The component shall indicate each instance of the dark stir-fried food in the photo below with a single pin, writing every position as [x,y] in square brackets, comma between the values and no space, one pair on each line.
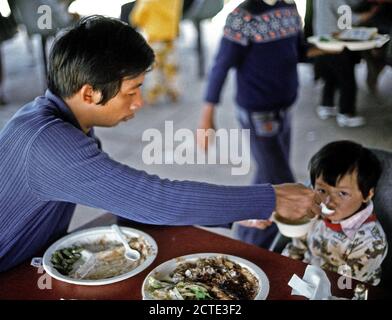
[206,278]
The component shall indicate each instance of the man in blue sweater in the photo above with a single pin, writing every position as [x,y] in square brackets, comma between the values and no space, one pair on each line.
[50,159]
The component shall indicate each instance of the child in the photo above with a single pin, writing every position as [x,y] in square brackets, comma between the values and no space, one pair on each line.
[350,240]
[159,20]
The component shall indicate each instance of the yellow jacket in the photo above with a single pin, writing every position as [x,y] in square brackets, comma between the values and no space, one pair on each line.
[159,19]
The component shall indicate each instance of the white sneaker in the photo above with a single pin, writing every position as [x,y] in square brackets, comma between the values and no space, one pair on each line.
[325,112]
[344,120]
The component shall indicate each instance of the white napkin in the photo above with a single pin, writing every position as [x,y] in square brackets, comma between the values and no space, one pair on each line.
[314,285]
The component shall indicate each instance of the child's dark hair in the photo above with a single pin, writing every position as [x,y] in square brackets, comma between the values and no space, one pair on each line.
[98,51]
[339,158]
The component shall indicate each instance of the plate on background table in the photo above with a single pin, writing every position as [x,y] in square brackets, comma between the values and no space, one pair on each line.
[329,43]
[95,256]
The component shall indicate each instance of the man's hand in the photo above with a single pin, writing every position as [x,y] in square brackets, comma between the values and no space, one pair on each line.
[204,134]
[294,201]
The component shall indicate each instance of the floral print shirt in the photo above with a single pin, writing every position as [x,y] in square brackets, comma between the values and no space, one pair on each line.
[332,247]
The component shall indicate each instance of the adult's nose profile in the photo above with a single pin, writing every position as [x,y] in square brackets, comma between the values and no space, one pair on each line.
[138,103]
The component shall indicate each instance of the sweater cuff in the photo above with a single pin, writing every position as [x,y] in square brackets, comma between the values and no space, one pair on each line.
[267,201]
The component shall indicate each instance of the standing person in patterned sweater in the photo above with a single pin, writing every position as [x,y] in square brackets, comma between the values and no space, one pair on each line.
[263,42]
[350,240]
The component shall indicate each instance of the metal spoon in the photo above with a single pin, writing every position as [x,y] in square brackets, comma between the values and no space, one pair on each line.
[130,254]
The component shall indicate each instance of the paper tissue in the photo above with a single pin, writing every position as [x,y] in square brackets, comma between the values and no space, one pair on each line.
[314,285]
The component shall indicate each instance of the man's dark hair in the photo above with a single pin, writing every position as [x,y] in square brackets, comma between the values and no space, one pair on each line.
[98,51]
[339,158]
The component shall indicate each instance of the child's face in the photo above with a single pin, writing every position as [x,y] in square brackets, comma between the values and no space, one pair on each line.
[345,198]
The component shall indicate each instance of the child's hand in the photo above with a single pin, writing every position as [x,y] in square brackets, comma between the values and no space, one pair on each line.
[258,224]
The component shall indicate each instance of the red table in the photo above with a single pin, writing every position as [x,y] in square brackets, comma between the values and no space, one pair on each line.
[23,281]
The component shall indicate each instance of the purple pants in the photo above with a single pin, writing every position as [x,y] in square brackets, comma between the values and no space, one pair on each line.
[270,134]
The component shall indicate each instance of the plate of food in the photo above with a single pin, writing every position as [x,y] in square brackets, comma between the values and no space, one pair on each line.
[355,39]
[96,256]
[206,276]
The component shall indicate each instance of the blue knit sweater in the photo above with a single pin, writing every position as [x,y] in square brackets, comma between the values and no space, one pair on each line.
[263,44]
[47,165]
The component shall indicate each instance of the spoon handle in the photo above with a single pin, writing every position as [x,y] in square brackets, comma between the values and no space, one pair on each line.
[130,253]
[120,235]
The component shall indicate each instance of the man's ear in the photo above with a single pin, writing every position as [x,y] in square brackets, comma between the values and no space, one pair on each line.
[370,195]
[88,95]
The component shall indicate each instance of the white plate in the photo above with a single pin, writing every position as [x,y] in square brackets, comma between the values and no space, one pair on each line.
[167,267]
[91,235]
[338,46]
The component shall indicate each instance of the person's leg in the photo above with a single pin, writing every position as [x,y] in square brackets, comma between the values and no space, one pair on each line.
[285,135]
[344,68]
[328,92]
[345,74]
[170,71]
[375,61]
[156,80]
[327,107]
[270,138]
[269,144]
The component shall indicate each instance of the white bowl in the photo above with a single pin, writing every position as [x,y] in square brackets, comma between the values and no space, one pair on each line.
[293,230]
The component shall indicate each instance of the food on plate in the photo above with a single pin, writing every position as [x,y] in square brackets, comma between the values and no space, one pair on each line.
[357,34]
[100,259]
[213,278]
[64,259]
[325,39]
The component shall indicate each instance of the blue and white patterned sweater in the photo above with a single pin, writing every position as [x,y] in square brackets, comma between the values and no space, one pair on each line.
[264,48]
